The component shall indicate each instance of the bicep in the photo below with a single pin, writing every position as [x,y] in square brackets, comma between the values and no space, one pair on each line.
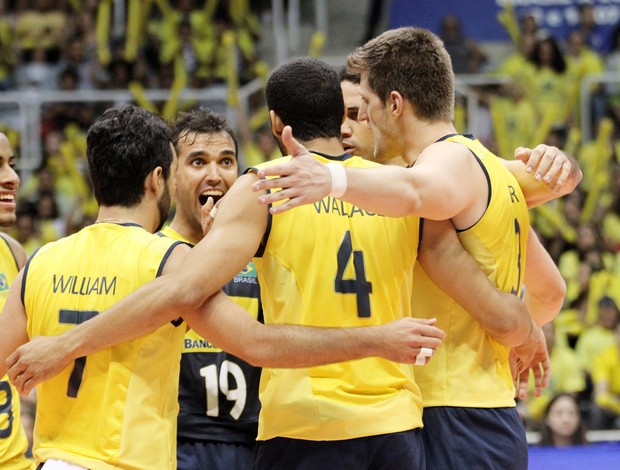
[460,276]
[449,181]
[442,255]
[231,243]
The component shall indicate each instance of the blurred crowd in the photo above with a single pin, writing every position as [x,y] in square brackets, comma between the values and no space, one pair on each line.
[75,45]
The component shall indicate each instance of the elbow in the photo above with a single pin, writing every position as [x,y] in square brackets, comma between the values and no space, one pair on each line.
[513,333]
[188,296]
[516,324]
[547,303]
[251,348]
[555,303]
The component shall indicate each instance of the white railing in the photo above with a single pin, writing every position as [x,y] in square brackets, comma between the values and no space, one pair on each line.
[30,104]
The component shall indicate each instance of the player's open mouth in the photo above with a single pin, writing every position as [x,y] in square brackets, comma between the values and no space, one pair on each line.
[7,198]
[216,195]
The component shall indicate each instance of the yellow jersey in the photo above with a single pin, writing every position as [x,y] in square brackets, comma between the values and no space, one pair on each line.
[471,369]
[117,407]
[13,442]
[332,264]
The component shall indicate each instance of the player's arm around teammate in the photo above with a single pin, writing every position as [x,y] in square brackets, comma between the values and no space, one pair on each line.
[193,291]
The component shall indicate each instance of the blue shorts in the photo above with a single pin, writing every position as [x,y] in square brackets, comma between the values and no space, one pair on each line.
[199,455]
[401,450]
[474,438]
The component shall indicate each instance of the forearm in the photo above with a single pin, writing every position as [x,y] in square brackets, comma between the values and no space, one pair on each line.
[396,199]
[13,332]
[140,313]
[291,346]
[234,330]
[502,315]
[231,328]
[545,289]
[544,306]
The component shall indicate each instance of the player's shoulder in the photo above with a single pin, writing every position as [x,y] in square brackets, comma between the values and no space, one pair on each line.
[268,163]
[16,249]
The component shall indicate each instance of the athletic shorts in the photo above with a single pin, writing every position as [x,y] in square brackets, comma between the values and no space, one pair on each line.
[474,438]
[401,450]
[199,455]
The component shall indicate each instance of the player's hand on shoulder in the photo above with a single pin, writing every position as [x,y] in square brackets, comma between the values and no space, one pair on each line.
[302,180]
[549,164]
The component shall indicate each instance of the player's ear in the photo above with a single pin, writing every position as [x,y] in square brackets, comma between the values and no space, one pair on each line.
[396,103]
[276,124]
[155,180]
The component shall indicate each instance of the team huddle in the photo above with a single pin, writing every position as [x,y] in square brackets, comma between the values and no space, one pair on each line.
[352,304]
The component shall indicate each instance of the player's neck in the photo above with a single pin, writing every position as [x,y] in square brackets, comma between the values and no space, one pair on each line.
[124,215]
[186,229]
[332,146]
[419,135]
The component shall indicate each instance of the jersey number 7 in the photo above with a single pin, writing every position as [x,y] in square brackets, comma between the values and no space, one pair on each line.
[75,317]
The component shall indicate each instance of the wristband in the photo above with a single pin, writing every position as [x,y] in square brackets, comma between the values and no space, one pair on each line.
[339,179]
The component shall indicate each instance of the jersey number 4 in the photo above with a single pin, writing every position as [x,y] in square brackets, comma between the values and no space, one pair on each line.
[359,285]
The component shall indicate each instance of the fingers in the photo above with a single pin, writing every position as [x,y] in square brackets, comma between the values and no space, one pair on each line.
[208,207]
[22,381]
[523,154]
[14,367]
[26,388]
[282,170]
[424,356]
[276,196]
[549,163]
[522,387]
[290,204]
[430,333]
[293,147]
[546,374]
[564,173]
[207,215]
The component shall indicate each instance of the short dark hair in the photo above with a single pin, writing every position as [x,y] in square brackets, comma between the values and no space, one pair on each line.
[345,75]
[200,120]
[305,93]
[123,146]
[413,62]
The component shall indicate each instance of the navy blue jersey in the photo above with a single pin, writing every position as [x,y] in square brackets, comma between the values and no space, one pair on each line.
[218,392]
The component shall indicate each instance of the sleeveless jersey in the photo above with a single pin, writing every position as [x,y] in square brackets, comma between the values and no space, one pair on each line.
[332,264]
[13,441]
[471,369]
[218,392]
[117,407]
